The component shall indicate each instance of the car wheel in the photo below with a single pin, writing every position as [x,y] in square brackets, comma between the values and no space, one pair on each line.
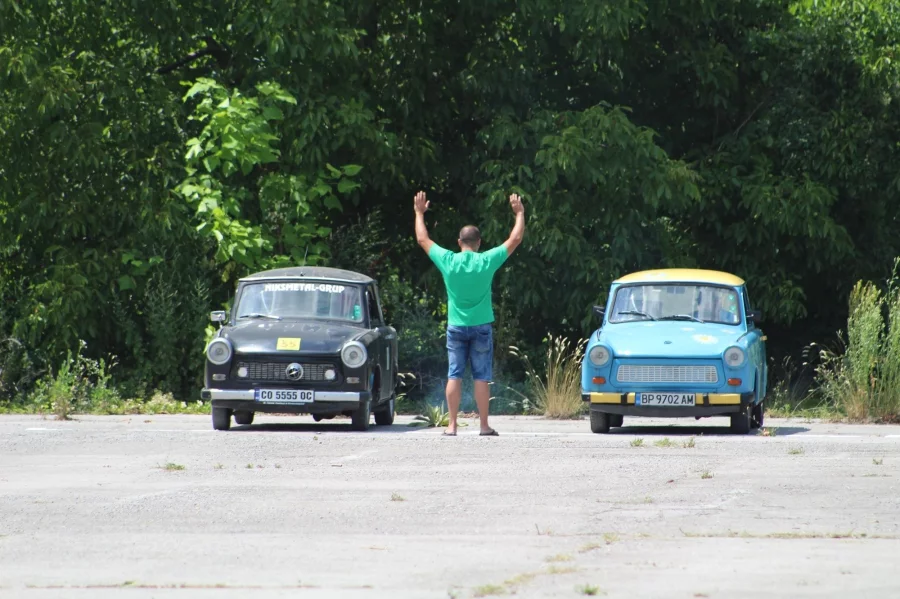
[740,422]
[359,420]
[599,422]
[221,419]
[244,418]
[758,415]
[385,416]
[616,419]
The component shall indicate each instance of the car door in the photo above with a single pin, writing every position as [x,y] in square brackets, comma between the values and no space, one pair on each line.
[756,345]
[384,346]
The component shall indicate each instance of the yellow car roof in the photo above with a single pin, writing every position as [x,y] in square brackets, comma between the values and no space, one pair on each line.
[682,275]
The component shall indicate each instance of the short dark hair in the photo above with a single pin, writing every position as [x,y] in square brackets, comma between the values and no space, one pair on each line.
[470,235]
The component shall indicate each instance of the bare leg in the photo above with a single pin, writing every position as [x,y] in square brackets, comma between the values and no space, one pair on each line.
[483,400]
[454,395]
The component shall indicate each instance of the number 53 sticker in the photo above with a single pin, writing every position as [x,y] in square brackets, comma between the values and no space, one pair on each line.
[288,343]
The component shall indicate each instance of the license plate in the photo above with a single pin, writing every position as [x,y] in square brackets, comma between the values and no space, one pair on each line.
[283,396]
[664,399]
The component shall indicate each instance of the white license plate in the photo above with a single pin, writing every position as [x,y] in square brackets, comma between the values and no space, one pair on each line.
[283,396]
[664,399]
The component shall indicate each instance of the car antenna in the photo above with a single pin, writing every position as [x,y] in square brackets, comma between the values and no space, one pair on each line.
[305,253]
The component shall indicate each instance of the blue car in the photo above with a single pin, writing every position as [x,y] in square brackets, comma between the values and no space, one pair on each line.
[676,343]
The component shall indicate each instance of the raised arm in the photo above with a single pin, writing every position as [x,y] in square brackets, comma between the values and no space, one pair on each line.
[421,205]
[518,230]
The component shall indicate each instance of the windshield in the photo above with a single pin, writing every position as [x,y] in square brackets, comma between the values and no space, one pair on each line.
[696,303]
[301,300]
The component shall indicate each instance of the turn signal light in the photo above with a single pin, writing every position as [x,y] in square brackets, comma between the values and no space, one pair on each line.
[734,382]
[599,380]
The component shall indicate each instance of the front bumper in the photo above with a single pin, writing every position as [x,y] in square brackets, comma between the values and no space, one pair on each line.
[326,402]
[705,404]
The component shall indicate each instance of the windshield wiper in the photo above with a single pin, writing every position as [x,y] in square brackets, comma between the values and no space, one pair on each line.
[636,313]
[260,315]
[682,317]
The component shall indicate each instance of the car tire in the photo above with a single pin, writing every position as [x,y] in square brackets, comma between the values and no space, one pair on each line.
[244,418]
[385,416]
[359,420]
[740,422]
[599,422]
[221,418]
[758,415]
[616,420]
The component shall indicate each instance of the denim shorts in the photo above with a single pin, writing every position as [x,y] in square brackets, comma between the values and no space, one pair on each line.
[473,345]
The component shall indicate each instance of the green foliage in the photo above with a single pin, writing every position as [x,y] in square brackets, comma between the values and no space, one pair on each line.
[864,379]
[431,417]
[754,137]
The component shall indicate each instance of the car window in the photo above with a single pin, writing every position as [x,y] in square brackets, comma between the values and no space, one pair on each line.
[707,303]
[374,309]
[301,300]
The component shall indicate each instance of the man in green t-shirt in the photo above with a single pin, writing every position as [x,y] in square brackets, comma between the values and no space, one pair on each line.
[468,276]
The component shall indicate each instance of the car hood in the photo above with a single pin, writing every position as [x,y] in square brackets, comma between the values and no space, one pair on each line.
[669,339]
[315,337]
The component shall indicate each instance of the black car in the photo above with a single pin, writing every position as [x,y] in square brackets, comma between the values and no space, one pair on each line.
[303,340]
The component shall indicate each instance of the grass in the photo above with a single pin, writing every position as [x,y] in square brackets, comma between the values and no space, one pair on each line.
[795,451]
[588,590]
[557,570]
[249,466]
[587,548]
[877,462]
[173,467]
[219,466]
[397,497]
[689,444]
[637,442]
[768,432]
[793,535]
[562,557]
[611,537]
[557,391]
[488,590]
[706,475]
[667,442]
[432,417]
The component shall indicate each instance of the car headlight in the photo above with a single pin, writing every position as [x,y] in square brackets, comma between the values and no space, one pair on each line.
[354,354]
[735,356]
[599,355]
[219,351]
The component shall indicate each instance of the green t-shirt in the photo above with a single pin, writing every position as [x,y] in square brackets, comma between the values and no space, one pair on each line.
[468,277]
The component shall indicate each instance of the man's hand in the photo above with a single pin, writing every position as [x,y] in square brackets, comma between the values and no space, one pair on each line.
[515,202]
[518,231]
[421,204]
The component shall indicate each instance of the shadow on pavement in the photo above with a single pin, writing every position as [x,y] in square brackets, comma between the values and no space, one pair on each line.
[340,426]
[704,431]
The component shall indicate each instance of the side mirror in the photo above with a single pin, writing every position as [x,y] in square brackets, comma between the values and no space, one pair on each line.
[754,316]
[217,316]
[599,311]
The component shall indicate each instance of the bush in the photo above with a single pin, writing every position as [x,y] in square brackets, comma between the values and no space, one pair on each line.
[557,391]
[864,379]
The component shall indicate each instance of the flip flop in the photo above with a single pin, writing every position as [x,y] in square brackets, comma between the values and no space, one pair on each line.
[491,433]
[446,434]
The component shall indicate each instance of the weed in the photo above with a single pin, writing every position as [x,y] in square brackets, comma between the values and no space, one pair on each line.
[877,462]
[278,466]
[556,570]
[397,497]
[610,538]
[588,590]
[589,547]
[219,466]
[432,417]
[249,466]
[689,444]
[520,579]
[664,443]
[559,558]
[637,442]
[558,392]
[768,432]
[706,475]
[648,500]
[171,466]
[795,451]
[487,590]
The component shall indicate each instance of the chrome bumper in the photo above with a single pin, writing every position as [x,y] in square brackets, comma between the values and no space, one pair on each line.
[248,395]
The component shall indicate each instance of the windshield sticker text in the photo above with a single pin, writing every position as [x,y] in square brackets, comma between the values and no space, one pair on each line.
[304,287]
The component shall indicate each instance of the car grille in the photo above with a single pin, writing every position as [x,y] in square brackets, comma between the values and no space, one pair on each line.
[276,371]
[652,373]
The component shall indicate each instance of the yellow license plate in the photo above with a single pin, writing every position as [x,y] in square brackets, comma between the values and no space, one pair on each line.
[288,343]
